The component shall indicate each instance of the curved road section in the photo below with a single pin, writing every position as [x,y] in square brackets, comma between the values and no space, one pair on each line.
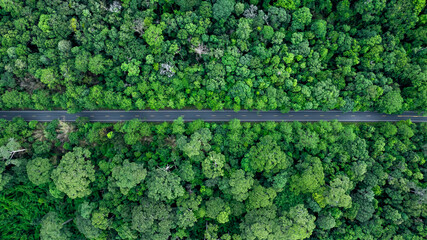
[210,116]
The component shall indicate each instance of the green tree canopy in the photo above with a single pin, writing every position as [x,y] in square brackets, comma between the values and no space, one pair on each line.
[213,165]
[310,177]
[52,228]
[222,9]
[266,156]
[39,170]
[164,185]
[128,175]
[74,173]
[153,219]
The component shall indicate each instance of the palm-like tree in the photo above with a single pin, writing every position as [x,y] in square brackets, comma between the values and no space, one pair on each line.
[64,130]
[40,133]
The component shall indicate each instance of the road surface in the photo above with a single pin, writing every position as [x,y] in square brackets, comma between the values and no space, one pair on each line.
[210,116]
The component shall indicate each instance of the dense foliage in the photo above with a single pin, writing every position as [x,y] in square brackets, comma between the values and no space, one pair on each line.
[228,181]
[215,54]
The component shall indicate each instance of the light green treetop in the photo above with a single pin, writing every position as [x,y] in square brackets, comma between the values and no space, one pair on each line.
[39,170]
[164,185]
[74,173]
[128,175]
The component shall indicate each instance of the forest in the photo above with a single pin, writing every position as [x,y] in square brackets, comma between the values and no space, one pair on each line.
[350,55]
[199,180]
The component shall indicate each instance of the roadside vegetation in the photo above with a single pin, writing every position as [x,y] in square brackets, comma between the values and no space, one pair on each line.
[198,180]
[221,54]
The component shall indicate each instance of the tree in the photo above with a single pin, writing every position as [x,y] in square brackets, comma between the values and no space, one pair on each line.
[391,102]
[295,224]
[99,218]
[218,209]
[301,18]
[369,11]
[319,28]
[279,181]
[128,175]
[198,141]
[344,11]
[188,205]
[153,219]
[326,222]
[307,139]
[239,8]
[132,68]
[135,130]
[393,215]
[211,232]
[260,197]
[326,94]
[44,23]
[222,9]
[47,76]
[10,149]
[187,5]
[310,177]
[259,224]
[267,32]
[82,61]
[39,170]
[97,64]
[164,185]
[178,126]
[364,205]
[337,194]
[86,228]
[287,4]
[153,36]
[64,46]
[266,156]
[74,173]
[53,228]
[213,165]
[237,185]
[244,28]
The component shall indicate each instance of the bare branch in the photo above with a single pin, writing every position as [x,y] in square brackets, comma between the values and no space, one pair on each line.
[201,50]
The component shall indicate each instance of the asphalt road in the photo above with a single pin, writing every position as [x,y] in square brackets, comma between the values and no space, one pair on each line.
[210,116]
